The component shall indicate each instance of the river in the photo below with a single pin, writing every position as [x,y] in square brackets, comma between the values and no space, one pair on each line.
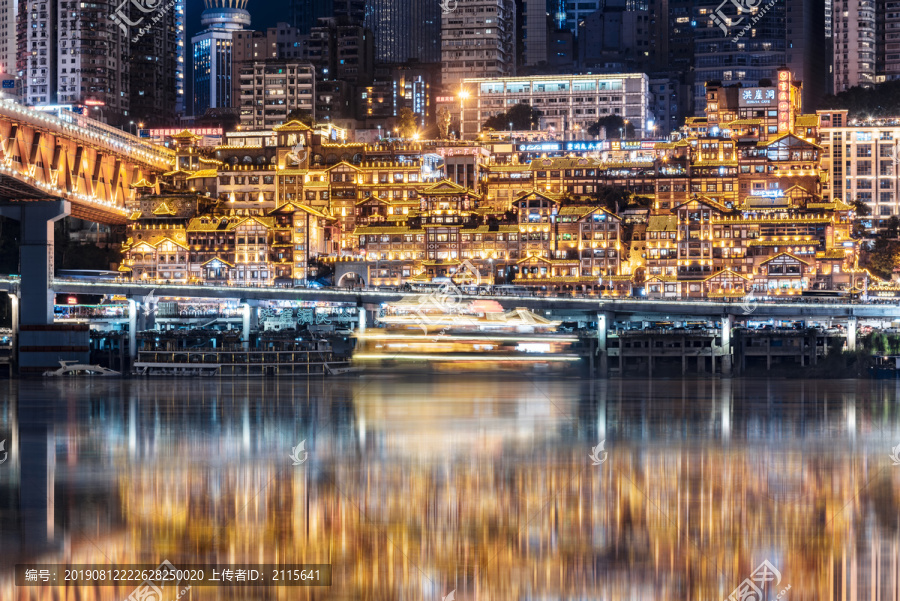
[492,488]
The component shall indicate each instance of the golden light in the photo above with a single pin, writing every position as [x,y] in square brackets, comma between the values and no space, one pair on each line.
[464,94]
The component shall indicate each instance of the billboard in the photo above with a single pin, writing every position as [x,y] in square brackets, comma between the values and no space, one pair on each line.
[758,97]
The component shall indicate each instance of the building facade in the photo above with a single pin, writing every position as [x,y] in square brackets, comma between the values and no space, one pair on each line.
[478,40]
[854,25]
[861,161]
[271,89]
[564,101]
[740,202]
[157,70]
[405,30]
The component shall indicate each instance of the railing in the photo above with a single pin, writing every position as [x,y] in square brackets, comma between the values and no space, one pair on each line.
[86,126]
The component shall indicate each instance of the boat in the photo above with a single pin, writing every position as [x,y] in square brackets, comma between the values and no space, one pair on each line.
[73,368]
[312,358]
[480,335]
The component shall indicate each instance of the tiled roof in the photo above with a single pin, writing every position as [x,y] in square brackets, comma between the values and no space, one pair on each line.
[662,223]
[204,173]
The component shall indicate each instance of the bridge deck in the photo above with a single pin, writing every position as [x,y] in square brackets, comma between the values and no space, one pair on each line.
[671,310]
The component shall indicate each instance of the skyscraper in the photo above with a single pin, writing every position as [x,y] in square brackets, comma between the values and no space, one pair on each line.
[888,40]
[157,70]
[213,53]
[74,53]
[697,41]
[854,43]
[478,41]
[405,30]
[9,9]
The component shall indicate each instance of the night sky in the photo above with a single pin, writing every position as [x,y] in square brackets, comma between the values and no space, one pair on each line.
[265,14]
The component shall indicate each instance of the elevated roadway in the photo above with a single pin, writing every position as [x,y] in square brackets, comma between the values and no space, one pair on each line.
[653,309]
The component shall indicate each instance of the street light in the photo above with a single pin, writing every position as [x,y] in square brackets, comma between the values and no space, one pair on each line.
[463,94]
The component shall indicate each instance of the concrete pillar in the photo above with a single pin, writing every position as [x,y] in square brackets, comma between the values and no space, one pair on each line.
[14,321]
[36,256]
[604,322]
[852,324]
[250,321]
[726,324]
[132,329]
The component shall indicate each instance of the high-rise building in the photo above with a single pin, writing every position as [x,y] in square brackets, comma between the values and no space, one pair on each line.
[280,42]
[696,41]
[213,53]
[405,30]
[478,41]
[888,40]
[614,39]
[854,38]
[305,14]
[93,66]
[395,87]
[9,10]
[342,52]
[536,28]
[157,70]
[271,89]
[37,52]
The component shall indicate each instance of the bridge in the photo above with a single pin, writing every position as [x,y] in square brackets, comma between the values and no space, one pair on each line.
[52,167]
[142,298]
[604,312]
[629,307]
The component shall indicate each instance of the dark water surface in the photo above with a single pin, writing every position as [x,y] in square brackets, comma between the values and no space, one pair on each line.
[413,488]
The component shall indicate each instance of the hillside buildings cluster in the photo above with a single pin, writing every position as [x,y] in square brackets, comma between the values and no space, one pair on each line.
[748,198]
[361,62]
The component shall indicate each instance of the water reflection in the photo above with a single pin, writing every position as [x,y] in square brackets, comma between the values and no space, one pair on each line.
[415,488]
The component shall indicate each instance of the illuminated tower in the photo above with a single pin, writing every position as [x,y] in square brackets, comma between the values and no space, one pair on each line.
[213,52]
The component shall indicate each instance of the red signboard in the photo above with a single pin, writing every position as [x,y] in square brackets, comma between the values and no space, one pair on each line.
[785,102]
[197,131]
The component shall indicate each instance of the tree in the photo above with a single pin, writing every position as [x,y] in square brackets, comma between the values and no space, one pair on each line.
[613,124]
[522,116]
[301,115]
[882,100]
[892,228]
[861,208]
[884,257]
[612,198]
[407,123]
